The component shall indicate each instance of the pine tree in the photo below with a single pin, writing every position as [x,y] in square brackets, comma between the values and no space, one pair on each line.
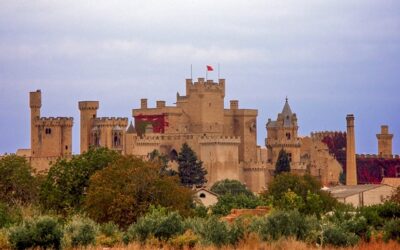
[190,169]
[283,162]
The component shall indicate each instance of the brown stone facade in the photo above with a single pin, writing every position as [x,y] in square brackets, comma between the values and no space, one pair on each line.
[225,139]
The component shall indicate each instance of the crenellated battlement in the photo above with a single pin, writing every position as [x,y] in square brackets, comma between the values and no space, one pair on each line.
[322,134]
[88,105]
[219,140]
[111,121]
[203,85]
[372,156]
[54,121]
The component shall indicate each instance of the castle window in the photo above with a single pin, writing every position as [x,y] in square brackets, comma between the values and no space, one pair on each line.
[288,136]
[202,195]
[94,116]
[66,147]
[290,157]
[48,131]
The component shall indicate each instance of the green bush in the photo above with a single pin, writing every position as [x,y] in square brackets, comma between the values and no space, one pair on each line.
[110,235]
[215,232]
[285,224]
[391,230]
[227,202]
[80,232]
[5,216]
[359,226]
[337,236]
[158,223]
[43,232]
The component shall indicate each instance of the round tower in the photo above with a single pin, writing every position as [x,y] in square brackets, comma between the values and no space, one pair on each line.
[88,114]
[351,168]
[35,103]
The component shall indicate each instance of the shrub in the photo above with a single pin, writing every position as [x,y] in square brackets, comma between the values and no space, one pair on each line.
[188,239]
[44,232]
[391,230]
[286,224]
[359,226]
[158,223]
[337,236]
[227,202]
[233,187]
[215,232]
[4,243]
[110,235]
[80,232]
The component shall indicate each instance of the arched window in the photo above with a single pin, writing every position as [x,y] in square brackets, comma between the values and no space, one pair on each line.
[202,195]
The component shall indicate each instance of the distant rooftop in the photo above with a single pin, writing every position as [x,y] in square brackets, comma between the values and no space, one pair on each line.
[346,191]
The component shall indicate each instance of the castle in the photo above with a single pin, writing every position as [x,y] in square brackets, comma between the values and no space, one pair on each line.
[225,139]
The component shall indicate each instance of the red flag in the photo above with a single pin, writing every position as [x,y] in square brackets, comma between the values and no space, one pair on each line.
[209,68]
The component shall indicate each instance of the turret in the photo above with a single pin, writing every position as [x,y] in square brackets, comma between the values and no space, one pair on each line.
[35,103]
[384,142]
[88,114]
[351,167]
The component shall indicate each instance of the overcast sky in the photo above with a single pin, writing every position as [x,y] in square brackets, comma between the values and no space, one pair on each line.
[329,57]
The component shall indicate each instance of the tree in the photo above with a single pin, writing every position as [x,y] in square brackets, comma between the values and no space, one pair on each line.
[283,162]
[17,180]
[233,187]
[124,191]
[396,195]
[307,187]
[64,188]
[227,202]
[191,171]
[162,160]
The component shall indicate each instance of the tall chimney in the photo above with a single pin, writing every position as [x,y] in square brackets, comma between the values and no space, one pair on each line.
[351,168]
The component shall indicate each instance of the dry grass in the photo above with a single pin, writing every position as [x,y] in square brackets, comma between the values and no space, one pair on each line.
[255,244]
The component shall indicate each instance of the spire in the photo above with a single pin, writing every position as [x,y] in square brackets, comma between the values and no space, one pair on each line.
[287,111]
[131,129]
[287,114]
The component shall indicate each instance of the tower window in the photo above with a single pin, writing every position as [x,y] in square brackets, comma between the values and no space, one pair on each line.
[66,147]
[290,157]
[48,131]
[288,136]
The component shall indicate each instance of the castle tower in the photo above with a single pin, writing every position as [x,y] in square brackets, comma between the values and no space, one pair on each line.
[35,103]
[384,142]
[282,134]
[351,168]
[88,114]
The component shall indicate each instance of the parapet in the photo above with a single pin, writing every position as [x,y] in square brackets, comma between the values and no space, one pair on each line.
[85,105]
[234,104]
[35,99]
[111,121]
[322,134]
[205,86]
[375,156]
[54,121]
[219,140]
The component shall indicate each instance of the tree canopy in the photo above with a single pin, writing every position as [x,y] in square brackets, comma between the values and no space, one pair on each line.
[17,182]
[284,189]
[191,171]
[124,191]
[65,185]
[233,187]
[283,162]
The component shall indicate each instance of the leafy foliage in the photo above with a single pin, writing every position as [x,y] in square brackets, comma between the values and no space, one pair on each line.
[125,190]
[158,223]
[162,160]
[80,232]
[43,232]
[233,187]
[227,202]
[313,199]
[392,230]
[67,180]
[191,170]
[17,182]
[283,162]
[285,224]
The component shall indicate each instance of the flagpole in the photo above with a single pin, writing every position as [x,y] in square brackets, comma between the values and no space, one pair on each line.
[218,72]
[191,71]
